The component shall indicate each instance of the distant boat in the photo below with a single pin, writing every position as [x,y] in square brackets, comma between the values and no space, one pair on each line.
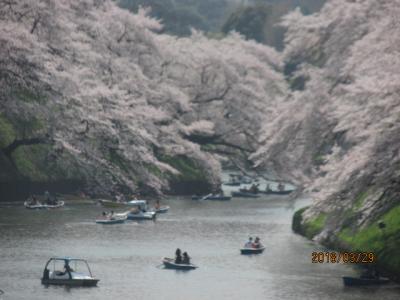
[281,190]
[39,205]
[112,220]
[245,194]
[362,281]
[233,183]
[116,204]
[252,250]
[215,197]
[273,192]
[169,263]
[68,276]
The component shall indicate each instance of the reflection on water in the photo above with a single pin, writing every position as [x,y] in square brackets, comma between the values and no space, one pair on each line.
[127,257]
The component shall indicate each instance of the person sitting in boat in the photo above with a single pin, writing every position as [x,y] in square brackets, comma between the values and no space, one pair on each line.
[32,200]
[157,205]
[46,196]
[257,243]
[186,258]
[267,188]
[178,256]
[67,270]
[281,187]
[134,210]
[254,189]
[249,243]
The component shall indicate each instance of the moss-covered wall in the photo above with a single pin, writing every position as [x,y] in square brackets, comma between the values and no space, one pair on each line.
[192,178]
[309,228]
[384,242]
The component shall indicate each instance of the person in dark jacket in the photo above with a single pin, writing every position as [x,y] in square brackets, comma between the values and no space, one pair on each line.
[178,256]
[186,258]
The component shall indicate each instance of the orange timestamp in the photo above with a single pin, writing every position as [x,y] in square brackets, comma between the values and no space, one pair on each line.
[343,257]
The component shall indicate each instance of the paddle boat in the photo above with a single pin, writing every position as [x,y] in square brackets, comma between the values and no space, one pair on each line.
[107,219]
[247,251]
[169,263]
[39,205]
[139,211]
[215,197]
[363,281]
[141,215]
[68,271]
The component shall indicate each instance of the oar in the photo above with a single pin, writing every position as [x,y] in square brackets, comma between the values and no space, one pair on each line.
[205,197]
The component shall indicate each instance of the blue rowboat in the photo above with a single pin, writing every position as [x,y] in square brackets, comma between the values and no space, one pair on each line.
[247,251]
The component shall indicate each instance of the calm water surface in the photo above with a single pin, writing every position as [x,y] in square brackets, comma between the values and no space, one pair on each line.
[126,257]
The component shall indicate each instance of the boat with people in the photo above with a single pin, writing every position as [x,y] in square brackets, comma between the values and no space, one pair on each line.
[247,194]
[160,209]
[111,218]
[251,247]
[40,205]
[68,271]
[169,263]
[252,250]
[141,215]
[139,211]
[273,192]
[215,197]
[280,191]
[181,261]
[48,203]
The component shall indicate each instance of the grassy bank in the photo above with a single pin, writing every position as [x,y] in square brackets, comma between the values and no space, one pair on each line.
[383,240]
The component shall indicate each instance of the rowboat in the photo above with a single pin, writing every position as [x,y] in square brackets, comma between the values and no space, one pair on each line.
[236,183]
[252,250]
[112,220]
[362,281]
[75,272]
[116,204]
[162,209]
[272,192]
[169,263]
[212,197]
[141,215]
[245,195]
[39,205]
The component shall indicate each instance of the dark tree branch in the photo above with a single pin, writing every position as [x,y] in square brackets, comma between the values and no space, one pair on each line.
[24,142]
[35,23]
[122,35]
